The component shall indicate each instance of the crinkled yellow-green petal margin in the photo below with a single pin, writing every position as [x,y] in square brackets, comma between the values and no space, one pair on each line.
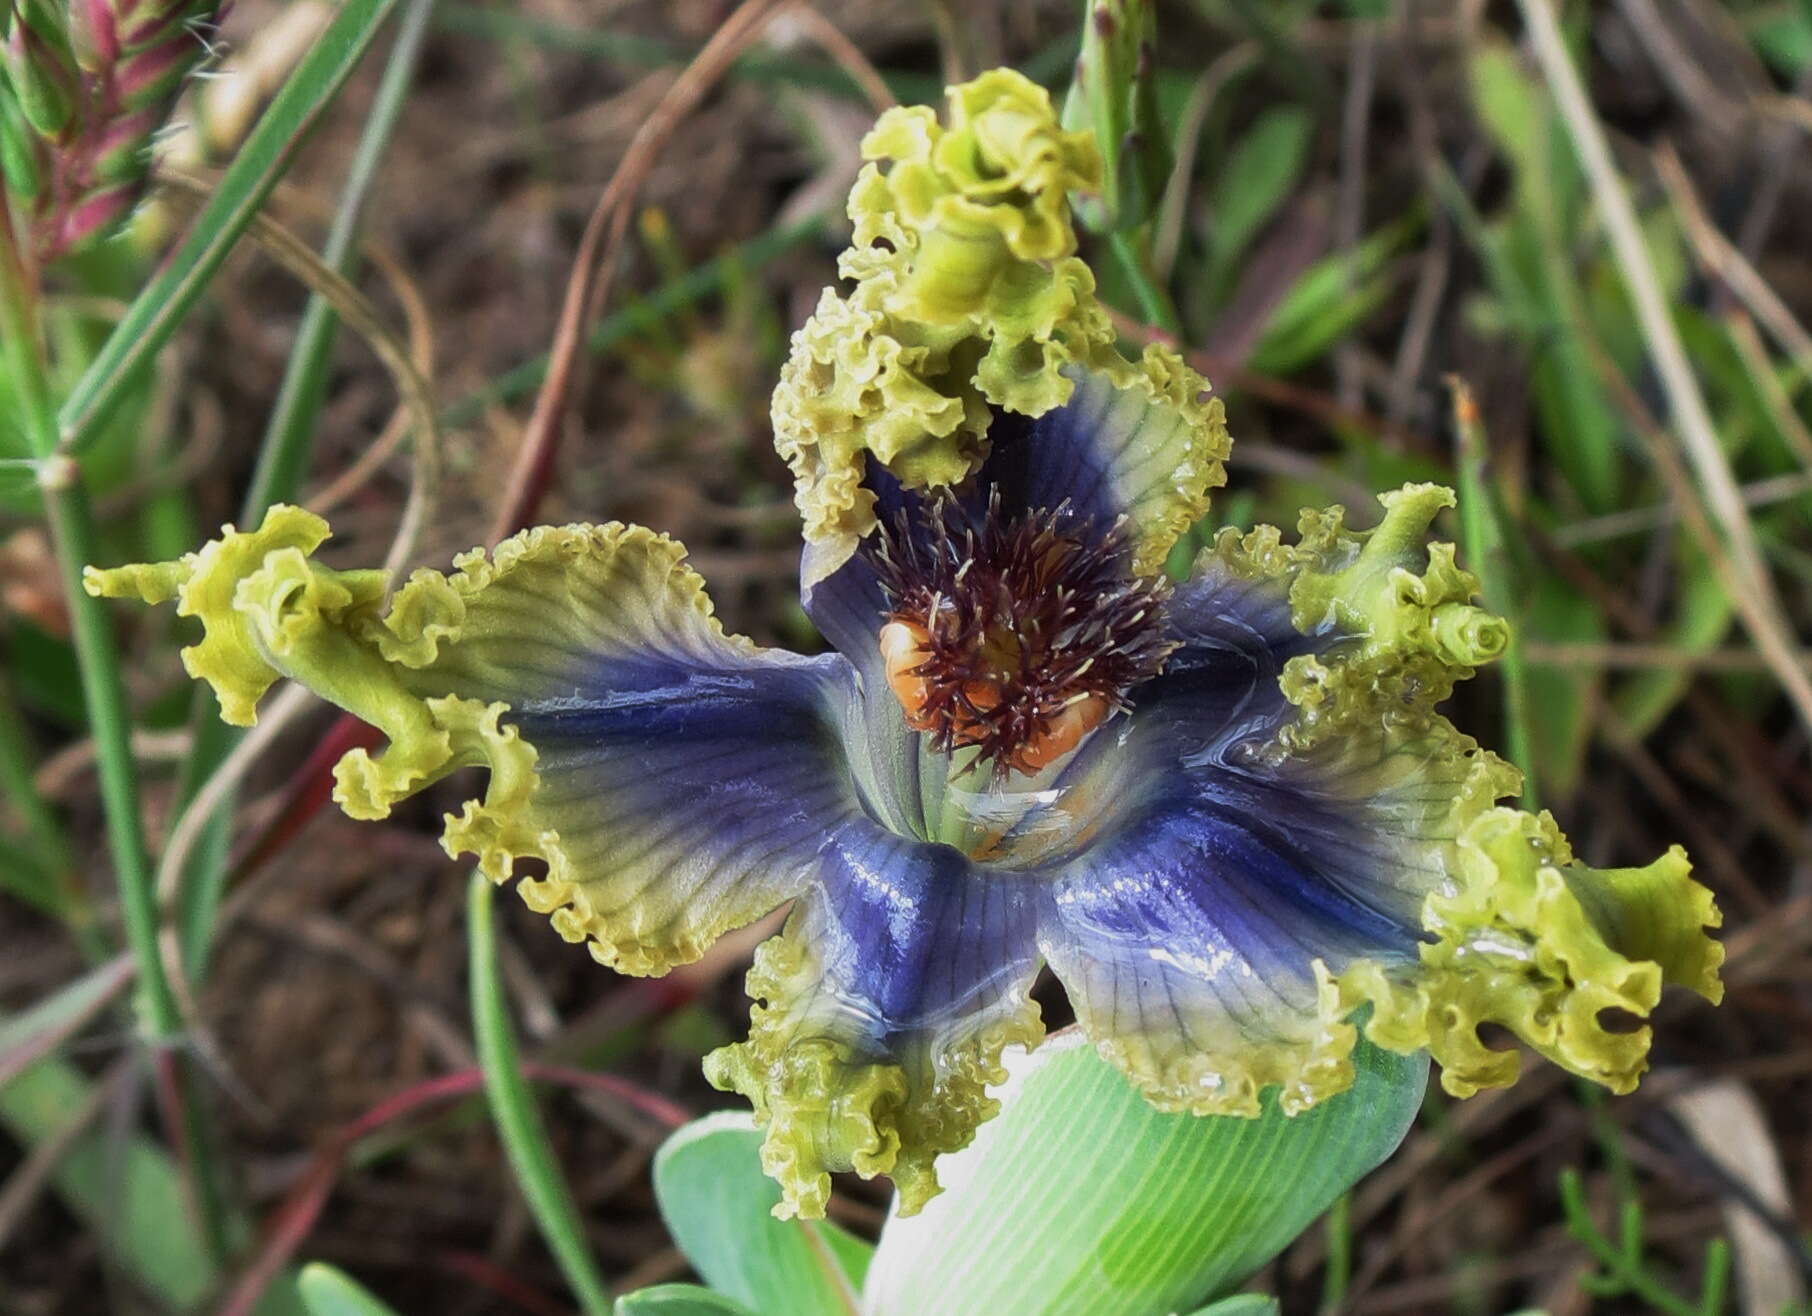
[432,671]
[1518,934]
[827,1106]
[968,294]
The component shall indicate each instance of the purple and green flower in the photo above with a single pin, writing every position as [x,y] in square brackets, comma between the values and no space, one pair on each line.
[1224,811]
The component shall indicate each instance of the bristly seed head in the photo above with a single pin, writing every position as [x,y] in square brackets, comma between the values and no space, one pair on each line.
[1014,637]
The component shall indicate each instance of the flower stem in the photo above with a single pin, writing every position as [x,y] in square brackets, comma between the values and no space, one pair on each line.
[1154,302]
[73,533]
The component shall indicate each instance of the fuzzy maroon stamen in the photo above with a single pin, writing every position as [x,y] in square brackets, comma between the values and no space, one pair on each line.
[1014,636]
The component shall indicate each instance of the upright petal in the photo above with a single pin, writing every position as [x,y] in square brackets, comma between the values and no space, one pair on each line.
[886,1006]
[675,781]
[1142,440]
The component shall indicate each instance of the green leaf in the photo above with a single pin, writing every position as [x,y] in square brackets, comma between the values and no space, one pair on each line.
[718,1205]
[1563,700]
[1080,1197]
[166,301]
[1703,613]
[1783,37]
[513,1109]
[1333,297]
[329,1291]
[678,1300]
[127,1193]
[30,1035]
[1250,184]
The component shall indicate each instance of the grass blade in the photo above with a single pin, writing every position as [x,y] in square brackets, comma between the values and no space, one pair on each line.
[1488,554]
[127,1196]
[282,459]
[1756,597]
[289,436]
[513,1111]
[29,1037]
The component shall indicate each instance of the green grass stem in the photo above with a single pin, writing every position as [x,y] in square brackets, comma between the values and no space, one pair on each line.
[514,1113]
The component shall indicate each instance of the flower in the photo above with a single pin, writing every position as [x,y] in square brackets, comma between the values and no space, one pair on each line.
[1225,812]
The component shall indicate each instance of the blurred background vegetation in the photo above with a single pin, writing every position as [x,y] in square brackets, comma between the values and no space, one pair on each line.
[1371,200]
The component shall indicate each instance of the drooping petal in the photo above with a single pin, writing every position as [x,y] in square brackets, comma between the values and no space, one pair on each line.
[1540,944]
[1187,945]
[1307,836]
[885,1007]
[674,780]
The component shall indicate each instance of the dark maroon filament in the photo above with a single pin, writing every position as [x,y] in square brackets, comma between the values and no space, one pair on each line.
[1020,618]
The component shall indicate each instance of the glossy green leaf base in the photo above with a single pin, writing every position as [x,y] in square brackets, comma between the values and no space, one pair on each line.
[1079,1197]
[718,1204]
[329,1291]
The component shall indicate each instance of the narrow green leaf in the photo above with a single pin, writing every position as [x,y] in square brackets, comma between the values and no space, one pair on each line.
[1080,1197]
[289,434]
[329,1291]
[1565,699]
[128,1195]
[34,1033]
[166,301]
[1256,177]
[513,1110]
[678,1300]
[1487,543]
[1330,299]
[718,1206]
[1703,614]
[1782,37]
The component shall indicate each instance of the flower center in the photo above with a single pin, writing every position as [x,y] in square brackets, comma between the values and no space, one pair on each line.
[1016,637]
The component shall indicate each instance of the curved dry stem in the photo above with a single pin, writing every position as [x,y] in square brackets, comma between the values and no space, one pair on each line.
[1752,589]
[399,359]
[219,786]
[357,312]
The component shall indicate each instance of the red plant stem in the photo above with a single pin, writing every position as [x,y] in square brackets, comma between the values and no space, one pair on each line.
[290,1224]
[495,1279]
[309,789]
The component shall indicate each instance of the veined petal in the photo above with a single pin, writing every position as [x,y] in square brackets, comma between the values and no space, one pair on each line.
[1142,440]
[1187,945]
[1314,838]
[886,1005]
[674,780]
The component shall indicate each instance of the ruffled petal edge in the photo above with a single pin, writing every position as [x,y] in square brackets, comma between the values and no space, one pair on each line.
[269,611]
[826,1107]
